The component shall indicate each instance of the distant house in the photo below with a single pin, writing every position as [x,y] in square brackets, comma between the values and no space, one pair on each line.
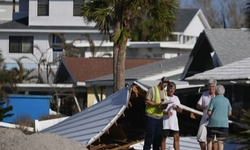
[222,54]
[234,76]
[33,22]
[215,48]
[7,9]
[77,71]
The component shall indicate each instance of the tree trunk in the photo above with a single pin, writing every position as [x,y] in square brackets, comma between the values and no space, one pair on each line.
[121,66]
[115,58]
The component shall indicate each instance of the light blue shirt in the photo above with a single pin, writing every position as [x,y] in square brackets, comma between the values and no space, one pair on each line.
[220,106]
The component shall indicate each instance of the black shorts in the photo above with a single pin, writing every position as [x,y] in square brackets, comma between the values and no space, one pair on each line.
[220,132]
[168,132]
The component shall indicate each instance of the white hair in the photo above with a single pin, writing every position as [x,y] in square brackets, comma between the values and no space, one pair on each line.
[212,81]
[220,90]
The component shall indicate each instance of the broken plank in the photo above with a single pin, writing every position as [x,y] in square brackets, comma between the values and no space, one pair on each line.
[97,147]
[127,145]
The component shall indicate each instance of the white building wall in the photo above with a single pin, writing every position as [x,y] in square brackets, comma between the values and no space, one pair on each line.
[42,40]
[6,10]
[154,52]
[194,28]
[60,14]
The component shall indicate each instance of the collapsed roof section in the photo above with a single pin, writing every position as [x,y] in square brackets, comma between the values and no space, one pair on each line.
[116,122]
[89,125]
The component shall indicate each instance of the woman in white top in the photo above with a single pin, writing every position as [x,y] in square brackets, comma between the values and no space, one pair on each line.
[170,120]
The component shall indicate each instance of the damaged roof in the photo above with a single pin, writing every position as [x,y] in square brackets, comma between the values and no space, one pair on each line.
[87,126]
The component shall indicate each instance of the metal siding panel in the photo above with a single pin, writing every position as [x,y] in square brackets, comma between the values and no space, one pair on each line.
[92,122]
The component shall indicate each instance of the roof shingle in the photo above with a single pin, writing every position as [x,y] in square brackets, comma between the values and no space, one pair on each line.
[229,44]
[83,69]
[237,70]
[151,69]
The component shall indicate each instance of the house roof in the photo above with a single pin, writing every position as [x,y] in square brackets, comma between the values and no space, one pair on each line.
[152,69]
[23,24]
[87,126]
[217,47]
[230,45]
[146,84]
[82,69]
[184,17]
[239,70]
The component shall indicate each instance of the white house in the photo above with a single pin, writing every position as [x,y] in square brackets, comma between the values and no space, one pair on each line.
[7,8]
[33,21]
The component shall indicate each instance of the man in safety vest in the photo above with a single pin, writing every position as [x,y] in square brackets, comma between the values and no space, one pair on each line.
[154,115]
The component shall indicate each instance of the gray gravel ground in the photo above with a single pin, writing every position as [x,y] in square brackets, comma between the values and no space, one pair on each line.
[13,139]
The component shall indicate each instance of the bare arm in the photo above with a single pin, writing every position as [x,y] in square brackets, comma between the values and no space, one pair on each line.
[200,107]
[179,109]
[209,112]
[229,113]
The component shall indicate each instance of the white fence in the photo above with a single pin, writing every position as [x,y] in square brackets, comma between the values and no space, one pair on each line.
[41,125]
[9,125]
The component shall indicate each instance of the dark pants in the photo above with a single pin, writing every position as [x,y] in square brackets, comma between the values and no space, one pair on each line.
[154,129]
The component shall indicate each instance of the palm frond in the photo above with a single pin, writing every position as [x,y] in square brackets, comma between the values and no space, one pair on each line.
[120,36]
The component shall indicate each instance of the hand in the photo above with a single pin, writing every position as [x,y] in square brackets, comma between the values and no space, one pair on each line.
[204,107]
[168,113]
[174,106]
[164,106]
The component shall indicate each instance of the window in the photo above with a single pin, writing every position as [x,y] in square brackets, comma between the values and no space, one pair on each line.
[57,43]
[21,44]
[43,7]
[77,7]
[57,47]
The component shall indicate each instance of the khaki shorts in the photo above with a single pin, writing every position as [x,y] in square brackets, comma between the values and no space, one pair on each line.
[202,134]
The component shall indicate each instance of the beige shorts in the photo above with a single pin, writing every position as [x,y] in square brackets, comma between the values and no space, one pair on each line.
[202,134]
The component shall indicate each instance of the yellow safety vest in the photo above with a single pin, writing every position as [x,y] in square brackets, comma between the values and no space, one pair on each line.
[155,110]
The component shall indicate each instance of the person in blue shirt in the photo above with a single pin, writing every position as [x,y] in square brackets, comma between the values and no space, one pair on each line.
[219,110]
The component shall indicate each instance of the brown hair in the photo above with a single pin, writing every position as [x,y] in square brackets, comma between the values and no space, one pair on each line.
[171,85]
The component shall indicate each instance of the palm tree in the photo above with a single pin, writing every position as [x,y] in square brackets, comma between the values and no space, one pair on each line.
[22,74]
[93,48]
[121,16]
[7,77]
[69,49]
[41,61]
